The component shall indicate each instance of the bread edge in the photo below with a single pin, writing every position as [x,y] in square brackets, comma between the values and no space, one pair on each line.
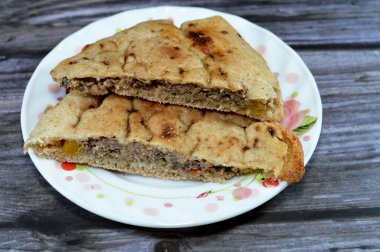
[294,168]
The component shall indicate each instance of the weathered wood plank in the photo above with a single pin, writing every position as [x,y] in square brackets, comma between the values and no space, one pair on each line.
[294,236]
[32,12]
[38,27]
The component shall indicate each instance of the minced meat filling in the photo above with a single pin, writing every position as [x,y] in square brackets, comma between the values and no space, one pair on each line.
[183,93]
[137,152]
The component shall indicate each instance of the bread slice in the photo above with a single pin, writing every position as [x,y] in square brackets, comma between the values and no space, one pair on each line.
[204,64]
[166,141]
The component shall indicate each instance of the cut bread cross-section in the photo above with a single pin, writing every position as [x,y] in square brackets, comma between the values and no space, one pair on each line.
[203,64]
[166,141]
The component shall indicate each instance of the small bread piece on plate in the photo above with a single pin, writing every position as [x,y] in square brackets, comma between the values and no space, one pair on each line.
[166,141]
[204,64]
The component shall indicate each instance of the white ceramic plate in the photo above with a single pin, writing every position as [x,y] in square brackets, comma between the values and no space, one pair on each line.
[152,202]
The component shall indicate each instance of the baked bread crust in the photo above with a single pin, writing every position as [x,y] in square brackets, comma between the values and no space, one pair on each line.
[220,139]
[207,54]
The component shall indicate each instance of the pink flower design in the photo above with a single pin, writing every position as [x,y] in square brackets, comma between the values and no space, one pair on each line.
[241,193]
[211,207]
[92,187]
[237,184]
[203,195]
[261,49]
[78,49]
[220,197]
[293,117]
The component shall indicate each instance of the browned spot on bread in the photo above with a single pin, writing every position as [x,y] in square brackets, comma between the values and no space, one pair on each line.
[170,52]
[257,128]
[105,62]
[255,142]
[153,30]
[238,35]
[271,131]
[85,58]
[232,140]
[245,148]
[101,45]
[210,55]
[176,48]
[229,51]
[131,57]
[199,38]
[191,25]
[221,71]
[168,130]
[218,54]
[165,72]
[72,62]
[85,48]
[224,32]
[181,70]
[125,61]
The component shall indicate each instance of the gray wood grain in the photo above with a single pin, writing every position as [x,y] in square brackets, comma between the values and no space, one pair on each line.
[300,23]
[294,236]
[335,207]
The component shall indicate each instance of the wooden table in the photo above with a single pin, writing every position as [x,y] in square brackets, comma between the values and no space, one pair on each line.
[337,204]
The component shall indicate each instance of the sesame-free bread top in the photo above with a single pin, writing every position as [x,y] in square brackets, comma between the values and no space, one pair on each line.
[216,138]
[208,54]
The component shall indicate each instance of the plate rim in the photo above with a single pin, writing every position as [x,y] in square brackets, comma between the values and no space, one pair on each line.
[83,204]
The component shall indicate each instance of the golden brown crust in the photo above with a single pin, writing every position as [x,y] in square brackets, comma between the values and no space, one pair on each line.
[294,169]
[207,52]
[230,60]
[152,50]
[218,138]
